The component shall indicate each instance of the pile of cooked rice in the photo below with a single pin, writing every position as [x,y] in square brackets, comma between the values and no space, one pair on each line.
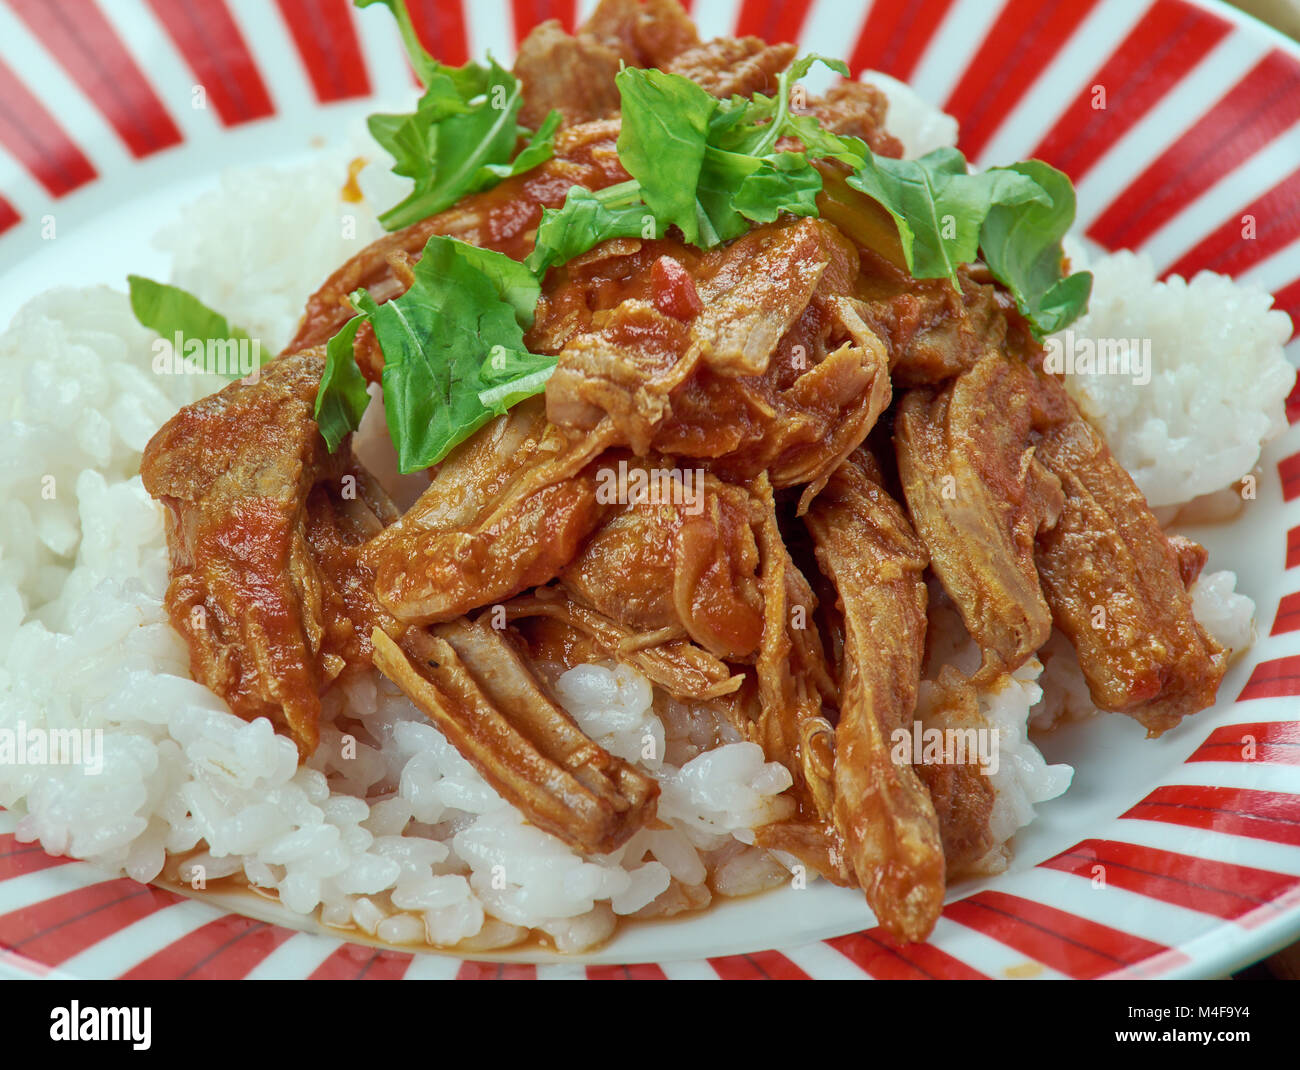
[387,829]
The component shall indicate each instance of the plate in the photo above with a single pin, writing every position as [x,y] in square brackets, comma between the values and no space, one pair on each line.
[1174,858]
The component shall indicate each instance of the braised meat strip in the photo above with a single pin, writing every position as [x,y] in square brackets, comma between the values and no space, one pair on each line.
[675,664]
[979,496]
[961,791]
[882,811]
[1117,587]
[506,510]
[682,561]
[262,529]
[472,683]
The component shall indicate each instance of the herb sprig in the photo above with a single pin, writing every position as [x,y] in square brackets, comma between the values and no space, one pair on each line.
[708,167]
[462,136]
[454,353]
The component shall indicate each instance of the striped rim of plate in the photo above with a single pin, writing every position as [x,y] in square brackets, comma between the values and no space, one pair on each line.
[1201,128]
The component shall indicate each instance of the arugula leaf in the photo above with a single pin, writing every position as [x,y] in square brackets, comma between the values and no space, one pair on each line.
[764,120]
[710,167]
[939,207]
[461,138]
[461,146]
[800,67]
[540,148]
[454,353]
[721,179]
[411,139]
[586,219]
[170,311]
[662,141]
[1023,250]
[785,182]
[510,375]
[457,332]
[821,143]
[513,283]
[736,190]
[341,399]
[707,166]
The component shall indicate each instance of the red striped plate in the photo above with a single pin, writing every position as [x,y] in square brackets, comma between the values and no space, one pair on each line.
[1174,858]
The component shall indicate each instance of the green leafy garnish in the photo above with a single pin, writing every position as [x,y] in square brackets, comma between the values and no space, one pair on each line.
[712,168]
[456,334]
[462,136]
[782,183]
[204,338]
[460,139]
[1022,247]
[540,148]
[662,141]
[709,167]
[454,353]
[587,219]
[341,399]
[754,126]
[938,207]
[423,63]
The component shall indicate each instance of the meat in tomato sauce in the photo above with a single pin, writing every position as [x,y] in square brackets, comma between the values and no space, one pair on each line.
[840,434]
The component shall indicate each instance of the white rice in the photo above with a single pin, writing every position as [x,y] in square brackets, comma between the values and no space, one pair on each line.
[82,399]
[386,829]
[1218,375]
[283,231]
